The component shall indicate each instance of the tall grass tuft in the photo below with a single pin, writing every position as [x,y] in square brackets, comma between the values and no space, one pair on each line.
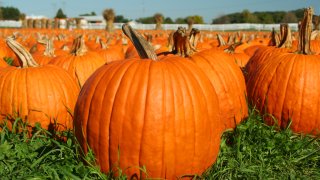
[257,151]
[42,155]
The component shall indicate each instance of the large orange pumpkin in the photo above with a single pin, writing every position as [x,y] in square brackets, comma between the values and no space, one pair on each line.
[224,74]
[229,83]
[44,94]
[287,86]
[160,114]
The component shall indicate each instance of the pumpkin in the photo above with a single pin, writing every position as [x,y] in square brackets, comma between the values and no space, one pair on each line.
[286,87]
[228,82]
[6,52]
[159,113]
[263,53]
[240,58]
[43,57]
[79,63]
[227,79]
[111,53]
[3,63]
[43,94]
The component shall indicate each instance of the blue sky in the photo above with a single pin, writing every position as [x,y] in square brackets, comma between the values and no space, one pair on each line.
[133,9]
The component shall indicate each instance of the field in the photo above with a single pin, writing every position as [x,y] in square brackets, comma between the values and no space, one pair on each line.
[252,151]
[155,104]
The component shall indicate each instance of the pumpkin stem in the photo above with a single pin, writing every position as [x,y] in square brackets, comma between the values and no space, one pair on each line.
[237,37]
[286,37]
[243,38]
[65,47]
[103,45]
[231,49]
[274,38]
[49,51]
[305,32]
[97,39]
[78,47]
[23,54]
[145,50]
[61,37]
[33,49]
[170,41]
[182,45]
[194,37]
[221,40]
[231,39]
[316,22]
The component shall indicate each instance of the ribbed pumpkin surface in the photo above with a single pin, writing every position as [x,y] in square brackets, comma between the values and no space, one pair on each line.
[287,87]
[38,94]
[162,114]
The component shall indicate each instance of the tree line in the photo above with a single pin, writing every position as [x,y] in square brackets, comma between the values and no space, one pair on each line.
[266,17]
[12,13]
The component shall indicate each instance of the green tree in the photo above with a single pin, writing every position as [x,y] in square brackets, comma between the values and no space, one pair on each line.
[120,19]
[266,18]
[1,16]
[168,20]
[180,20]
[299,13]
[248,17]
[198,19]
[260,17]
[146,20]
[89,14]
[290,17]
[221,20]
[10,13]
[278,16]
[60,14]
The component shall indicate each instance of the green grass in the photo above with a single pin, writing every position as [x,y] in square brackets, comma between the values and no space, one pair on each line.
[42,155]
[257,151]
[252,151]
[8,60]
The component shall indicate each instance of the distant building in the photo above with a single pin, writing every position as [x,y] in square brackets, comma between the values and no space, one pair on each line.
[32,16]
[93,19]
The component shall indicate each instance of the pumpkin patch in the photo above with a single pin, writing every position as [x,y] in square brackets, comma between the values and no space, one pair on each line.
[130,102]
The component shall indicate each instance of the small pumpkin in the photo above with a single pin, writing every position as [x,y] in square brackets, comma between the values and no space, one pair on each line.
[79,63]
[111,53]
[44,57]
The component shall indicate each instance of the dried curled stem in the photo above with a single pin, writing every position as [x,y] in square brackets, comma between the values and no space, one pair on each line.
[183,46]
[21,52]
[144,48]
[49,51]
[78,47]
[305,32]
[275,39]
[221,41]
[286,37]
[231,49]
